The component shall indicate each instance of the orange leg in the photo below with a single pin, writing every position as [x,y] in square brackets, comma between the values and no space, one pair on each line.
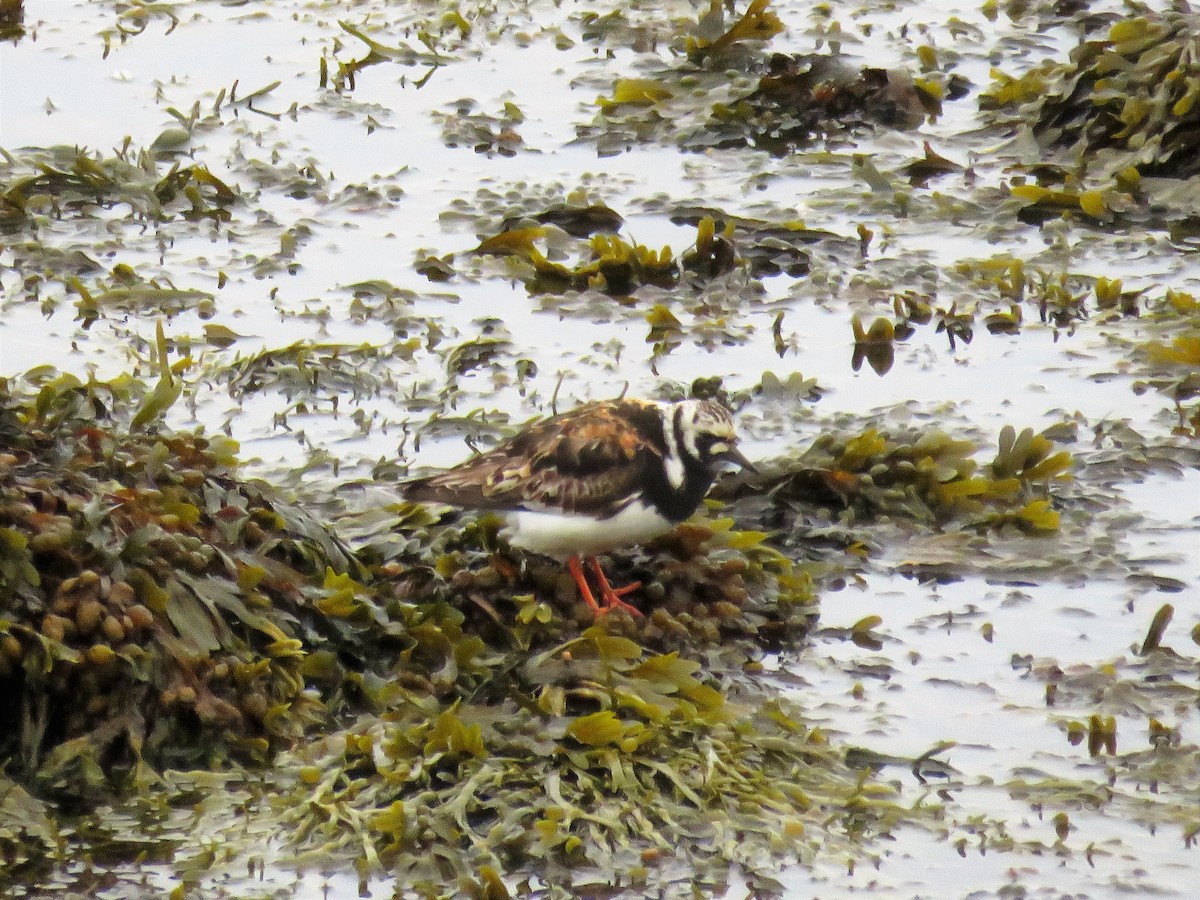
[584,591]
[610,597]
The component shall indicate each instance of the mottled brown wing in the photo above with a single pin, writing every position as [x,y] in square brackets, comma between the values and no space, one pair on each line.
[591,459]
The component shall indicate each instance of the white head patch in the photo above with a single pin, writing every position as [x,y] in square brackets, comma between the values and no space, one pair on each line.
[693,418]
[673,461]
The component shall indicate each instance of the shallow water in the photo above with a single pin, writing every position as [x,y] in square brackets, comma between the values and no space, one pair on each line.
[386,190]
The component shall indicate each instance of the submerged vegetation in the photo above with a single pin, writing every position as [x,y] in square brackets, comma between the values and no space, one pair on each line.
[68,181]
[423,703]
[1126,99]
[159,611]
[165,612]
[209,661]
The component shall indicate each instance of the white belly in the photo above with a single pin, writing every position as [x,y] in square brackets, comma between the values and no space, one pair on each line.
[562,535]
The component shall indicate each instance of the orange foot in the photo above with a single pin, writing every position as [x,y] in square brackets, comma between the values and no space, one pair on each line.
[610,597]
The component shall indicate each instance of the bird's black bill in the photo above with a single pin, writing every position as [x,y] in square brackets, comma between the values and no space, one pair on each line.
[738,458]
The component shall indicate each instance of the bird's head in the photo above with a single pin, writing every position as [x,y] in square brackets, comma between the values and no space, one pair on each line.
[706,433]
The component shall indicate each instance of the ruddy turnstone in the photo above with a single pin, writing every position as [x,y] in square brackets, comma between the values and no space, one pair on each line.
[605,475]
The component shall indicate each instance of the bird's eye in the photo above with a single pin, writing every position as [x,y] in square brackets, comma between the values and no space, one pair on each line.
[710,444]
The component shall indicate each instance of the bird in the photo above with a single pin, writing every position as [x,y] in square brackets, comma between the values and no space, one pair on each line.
[605,475]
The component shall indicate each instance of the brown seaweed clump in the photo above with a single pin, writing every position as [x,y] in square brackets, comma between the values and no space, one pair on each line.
[804,98]
[154,609]
[422,705]
[1126,100]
